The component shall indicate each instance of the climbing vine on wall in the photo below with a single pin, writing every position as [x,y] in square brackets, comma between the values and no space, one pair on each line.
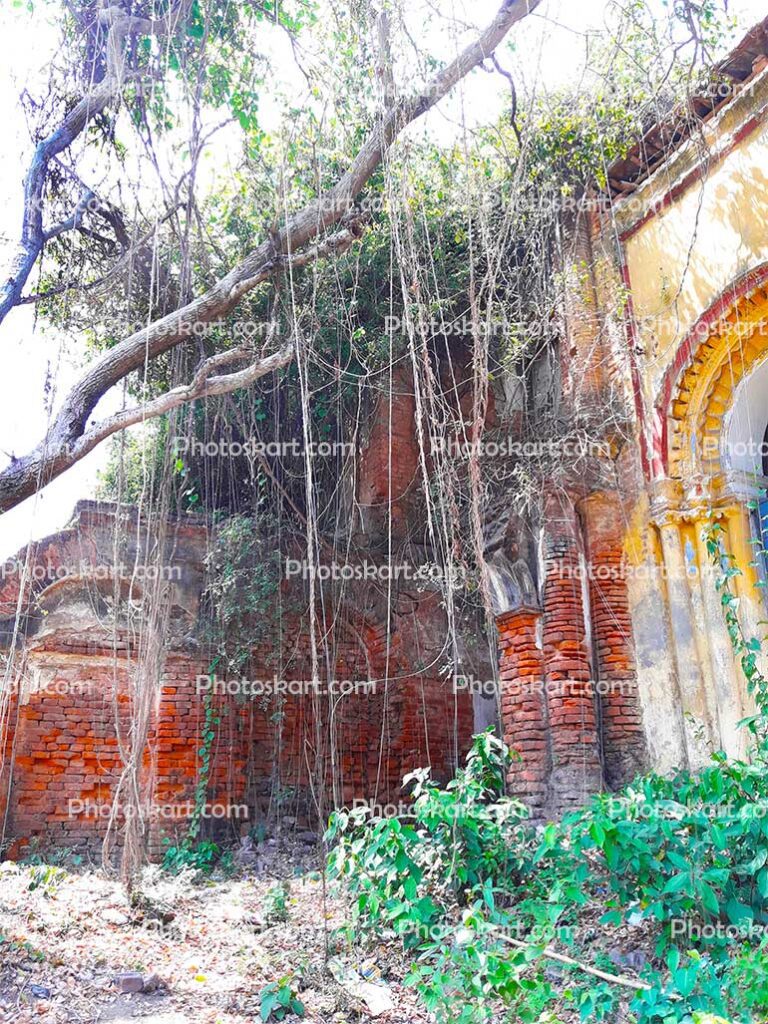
[243,584]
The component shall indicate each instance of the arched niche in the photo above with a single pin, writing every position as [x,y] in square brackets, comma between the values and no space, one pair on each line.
[744,450]
[88,600]
[711,419]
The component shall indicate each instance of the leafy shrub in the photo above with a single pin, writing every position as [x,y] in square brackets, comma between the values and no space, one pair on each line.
[479,897]
[421,880]
[200,856]
[276,905]
[409,878]
[692,847]
[47,877]
[279,998]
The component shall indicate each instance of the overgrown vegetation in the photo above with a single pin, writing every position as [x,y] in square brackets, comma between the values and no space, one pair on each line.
[483,901]
[498,914]
[493,912]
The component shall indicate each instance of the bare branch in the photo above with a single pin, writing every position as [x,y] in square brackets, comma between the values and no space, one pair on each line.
[384,72]
[116,220]
[203,385]
[74,221]
[513,110]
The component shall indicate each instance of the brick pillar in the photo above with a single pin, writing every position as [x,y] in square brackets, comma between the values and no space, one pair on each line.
[623,737]
[9,715]
[576,767]
[523,711]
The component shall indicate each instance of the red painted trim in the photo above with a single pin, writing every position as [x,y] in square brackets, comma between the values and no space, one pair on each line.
[693,176]
[695,338]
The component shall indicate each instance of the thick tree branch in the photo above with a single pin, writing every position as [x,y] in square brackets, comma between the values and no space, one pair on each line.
[203,385]
[121,27]
[51,457]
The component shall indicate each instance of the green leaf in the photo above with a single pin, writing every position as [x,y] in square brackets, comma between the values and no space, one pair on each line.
[268,1004]
[737,911]
[677,883]
[709,898]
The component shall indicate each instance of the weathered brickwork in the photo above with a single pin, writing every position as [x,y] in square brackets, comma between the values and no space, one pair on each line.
[623,739]
[569,700]
[571,706]
[391,467]
[297,749]
[281,746]
[523,705]
[61,749]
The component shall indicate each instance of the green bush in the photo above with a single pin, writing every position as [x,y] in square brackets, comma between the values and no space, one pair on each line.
[201,856]
[276,904]
[410,878]
[480,898]
[278,999]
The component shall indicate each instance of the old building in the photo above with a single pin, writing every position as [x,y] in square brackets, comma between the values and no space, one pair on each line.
[613,653]
[289,737]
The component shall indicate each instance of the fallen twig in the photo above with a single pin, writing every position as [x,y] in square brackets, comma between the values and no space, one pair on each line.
[616,979]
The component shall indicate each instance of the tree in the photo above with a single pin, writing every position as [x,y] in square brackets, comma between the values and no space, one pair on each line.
[326,226]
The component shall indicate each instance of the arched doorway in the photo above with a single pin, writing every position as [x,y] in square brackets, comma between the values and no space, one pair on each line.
[744,454]
[712,417]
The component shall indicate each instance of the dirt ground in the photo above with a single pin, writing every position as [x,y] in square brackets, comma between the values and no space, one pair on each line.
[202,949]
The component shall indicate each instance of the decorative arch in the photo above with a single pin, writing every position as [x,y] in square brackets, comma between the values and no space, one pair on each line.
[719,352]
[694,472]
[89,583]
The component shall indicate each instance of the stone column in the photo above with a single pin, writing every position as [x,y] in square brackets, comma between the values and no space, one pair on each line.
[727,679]
[654,651]
[576,767]
[523,711]
[699,713]
[738,539]
[621,720]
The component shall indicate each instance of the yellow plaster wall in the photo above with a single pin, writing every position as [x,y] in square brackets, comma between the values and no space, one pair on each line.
[683,258]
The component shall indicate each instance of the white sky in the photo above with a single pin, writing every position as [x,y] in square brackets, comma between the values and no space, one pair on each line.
[549,45]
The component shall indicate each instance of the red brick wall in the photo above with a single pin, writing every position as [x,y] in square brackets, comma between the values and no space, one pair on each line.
[62,745]
[62,742]
[523,705]
[624,747]
[276,753]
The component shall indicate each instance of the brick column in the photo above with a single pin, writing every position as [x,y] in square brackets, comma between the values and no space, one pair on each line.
[9,715]
[623,737]
[523,711]
[576,767]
